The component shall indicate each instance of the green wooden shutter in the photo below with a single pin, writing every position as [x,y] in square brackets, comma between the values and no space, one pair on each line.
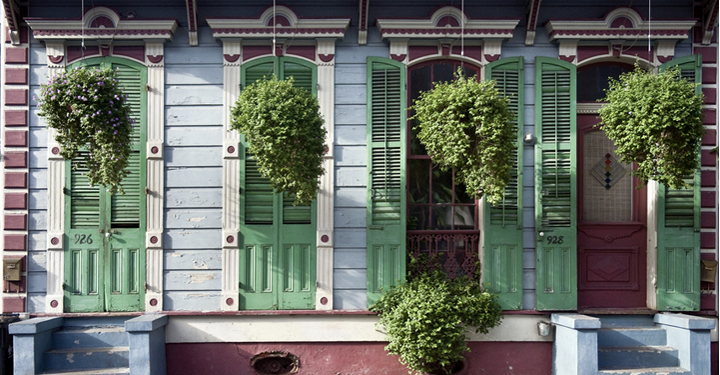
[386,208]
[278,258]
[678,227]
[502,223]
[555,184]
[108,273]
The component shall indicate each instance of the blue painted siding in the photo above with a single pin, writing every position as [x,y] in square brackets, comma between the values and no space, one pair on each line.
[193,177]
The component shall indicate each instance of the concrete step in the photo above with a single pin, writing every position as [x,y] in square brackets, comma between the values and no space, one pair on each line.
[637,357]
[96,321]
[614,321]
[632,336]
[89,337]
[87,358]
[647,371]
[102,371]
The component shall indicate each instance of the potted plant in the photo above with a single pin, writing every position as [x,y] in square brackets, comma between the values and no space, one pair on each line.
[466,125]
[283,125]
[89,111]
[656,122]
[426,317]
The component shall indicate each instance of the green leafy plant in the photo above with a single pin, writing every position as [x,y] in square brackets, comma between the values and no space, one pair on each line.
[426,317]
[466,125]
[89,111]
[283,125]
[656,122]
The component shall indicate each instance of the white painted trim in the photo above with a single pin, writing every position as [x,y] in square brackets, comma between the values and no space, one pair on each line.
[652,239]
[127,29]
[321,328]
[230,272]
[56,203]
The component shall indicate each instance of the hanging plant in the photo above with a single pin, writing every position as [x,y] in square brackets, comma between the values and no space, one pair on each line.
[466,125]
[89,111]
[656,122]
[427,316]
[283,125]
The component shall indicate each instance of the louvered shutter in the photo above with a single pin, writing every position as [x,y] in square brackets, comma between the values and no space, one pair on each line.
[555,184]
[126,208]
[386,175]
[678,226]
[502,222]
[108,273]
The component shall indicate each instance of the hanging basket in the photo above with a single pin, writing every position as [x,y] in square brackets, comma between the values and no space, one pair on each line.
[466,125]
[283,125]
[656,122]
[92,121]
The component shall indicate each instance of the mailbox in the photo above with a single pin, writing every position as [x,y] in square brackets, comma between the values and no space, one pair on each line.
[12,269]
[708,270]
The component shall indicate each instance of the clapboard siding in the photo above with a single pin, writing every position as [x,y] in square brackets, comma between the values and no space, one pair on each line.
[193,260]
[193,197]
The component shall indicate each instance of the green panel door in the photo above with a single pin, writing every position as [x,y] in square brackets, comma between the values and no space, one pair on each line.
[278,257]
[105,233]
[386,175]
[678,227]
[555,184]
[502,222]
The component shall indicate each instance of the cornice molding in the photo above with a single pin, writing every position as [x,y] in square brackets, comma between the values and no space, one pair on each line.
[621,24]
[447,22]
[102,23]
[287,24]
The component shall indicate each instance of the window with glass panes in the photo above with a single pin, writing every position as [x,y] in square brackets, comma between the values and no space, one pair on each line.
[442,217]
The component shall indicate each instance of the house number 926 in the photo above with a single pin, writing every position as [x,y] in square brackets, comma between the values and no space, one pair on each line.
[555,240]
[83,239]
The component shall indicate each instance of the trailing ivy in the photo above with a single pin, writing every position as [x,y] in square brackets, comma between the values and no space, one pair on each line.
[426,317]
[466,125]
[283,125]
[89,111]
[656,122]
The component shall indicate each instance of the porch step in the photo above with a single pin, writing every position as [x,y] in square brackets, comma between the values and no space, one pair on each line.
[89,346]
[87,358]
[89,337]
[102,371]
[647,371]
[634,321]
[637,357]
[631,336]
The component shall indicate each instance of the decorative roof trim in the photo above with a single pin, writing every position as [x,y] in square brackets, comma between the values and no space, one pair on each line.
[287,24]
[710,20]
[111,26]
[364,6]
[619,24]
[532,19]
[12,17]
[191,6]
[446,21]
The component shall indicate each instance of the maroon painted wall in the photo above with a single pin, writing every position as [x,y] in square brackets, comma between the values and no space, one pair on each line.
[496,358]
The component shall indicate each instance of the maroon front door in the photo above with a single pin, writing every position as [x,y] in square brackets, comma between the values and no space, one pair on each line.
[612,218]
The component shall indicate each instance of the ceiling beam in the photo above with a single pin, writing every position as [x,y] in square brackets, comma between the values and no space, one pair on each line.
[532,19]
[191,6]
[364,6]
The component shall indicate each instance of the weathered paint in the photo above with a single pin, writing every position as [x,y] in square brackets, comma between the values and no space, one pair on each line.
[353,358]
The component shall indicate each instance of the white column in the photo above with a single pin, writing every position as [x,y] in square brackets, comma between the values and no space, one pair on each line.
[232,61]
[56,198]
[326,194]
[154,181]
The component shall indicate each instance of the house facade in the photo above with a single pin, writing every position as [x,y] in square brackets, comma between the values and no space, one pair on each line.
[228,275]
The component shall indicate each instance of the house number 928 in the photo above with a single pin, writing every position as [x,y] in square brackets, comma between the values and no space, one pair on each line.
[83,239]
[555,240]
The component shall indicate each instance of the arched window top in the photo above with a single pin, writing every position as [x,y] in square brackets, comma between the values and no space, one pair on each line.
[593,80]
